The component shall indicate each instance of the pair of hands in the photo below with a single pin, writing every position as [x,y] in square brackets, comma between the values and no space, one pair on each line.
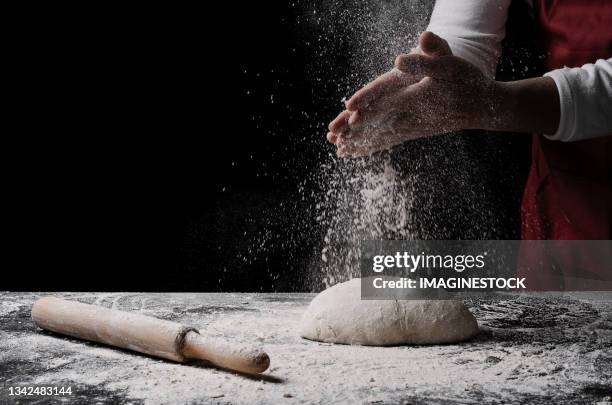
[428,92]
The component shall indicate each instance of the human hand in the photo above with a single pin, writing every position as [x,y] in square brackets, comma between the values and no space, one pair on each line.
[427,93]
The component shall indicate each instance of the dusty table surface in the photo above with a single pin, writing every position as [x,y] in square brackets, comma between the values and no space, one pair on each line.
[532,349]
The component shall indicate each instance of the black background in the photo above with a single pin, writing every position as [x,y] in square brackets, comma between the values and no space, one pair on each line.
[148,153]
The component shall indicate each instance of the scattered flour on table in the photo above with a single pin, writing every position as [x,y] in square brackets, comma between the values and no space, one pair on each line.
[510,365]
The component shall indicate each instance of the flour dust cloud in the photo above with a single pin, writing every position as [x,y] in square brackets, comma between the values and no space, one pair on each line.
[442,187]
[369,198]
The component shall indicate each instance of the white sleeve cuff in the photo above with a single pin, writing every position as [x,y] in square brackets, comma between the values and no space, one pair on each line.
[585,96]
[474,29]
[567,124]
[484,57]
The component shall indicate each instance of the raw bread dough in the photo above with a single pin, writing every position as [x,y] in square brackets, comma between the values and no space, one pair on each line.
[338,315]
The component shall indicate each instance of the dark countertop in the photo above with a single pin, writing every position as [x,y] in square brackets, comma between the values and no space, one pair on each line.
[533,349]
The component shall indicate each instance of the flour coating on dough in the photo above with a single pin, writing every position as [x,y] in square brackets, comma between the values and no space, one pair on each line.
[338,315]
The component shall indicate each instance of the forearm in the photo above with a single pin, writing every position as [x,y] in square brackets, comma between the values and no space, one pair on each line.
[530,105]
[566,105]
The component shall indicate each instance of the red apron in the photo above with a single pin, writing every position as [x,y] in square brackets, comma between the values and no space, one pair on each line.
[569,191]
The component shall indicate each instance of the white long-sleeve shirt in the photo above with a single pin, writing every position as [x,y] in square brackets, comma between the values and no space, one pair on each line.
[474,30]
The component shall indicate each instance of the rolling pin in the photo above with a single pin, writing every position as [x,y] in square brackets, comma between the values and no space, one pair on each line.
[144,334]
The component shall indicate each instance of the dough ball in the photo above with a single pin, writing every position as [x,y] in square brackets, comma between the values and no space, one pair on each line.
[338,315]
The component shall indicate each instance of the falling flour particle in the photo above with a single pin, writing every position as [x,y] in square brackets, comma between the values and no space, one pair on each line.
[338,315]
[370,202]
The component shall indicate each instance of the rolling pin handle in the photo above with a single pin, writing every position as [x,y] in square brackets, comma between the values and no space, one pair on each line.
[243,359]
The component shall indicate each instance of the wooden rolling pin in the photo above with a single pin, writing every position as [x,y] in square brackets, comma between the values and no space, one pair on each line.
[157,337]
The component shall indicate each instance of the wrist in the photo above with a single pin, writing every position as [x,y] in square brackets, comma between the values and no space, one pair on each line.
[530,105]
[500,102]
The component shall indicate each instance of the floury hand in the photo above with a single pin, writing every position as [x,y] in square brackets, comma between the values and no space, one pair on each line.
[428,92]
